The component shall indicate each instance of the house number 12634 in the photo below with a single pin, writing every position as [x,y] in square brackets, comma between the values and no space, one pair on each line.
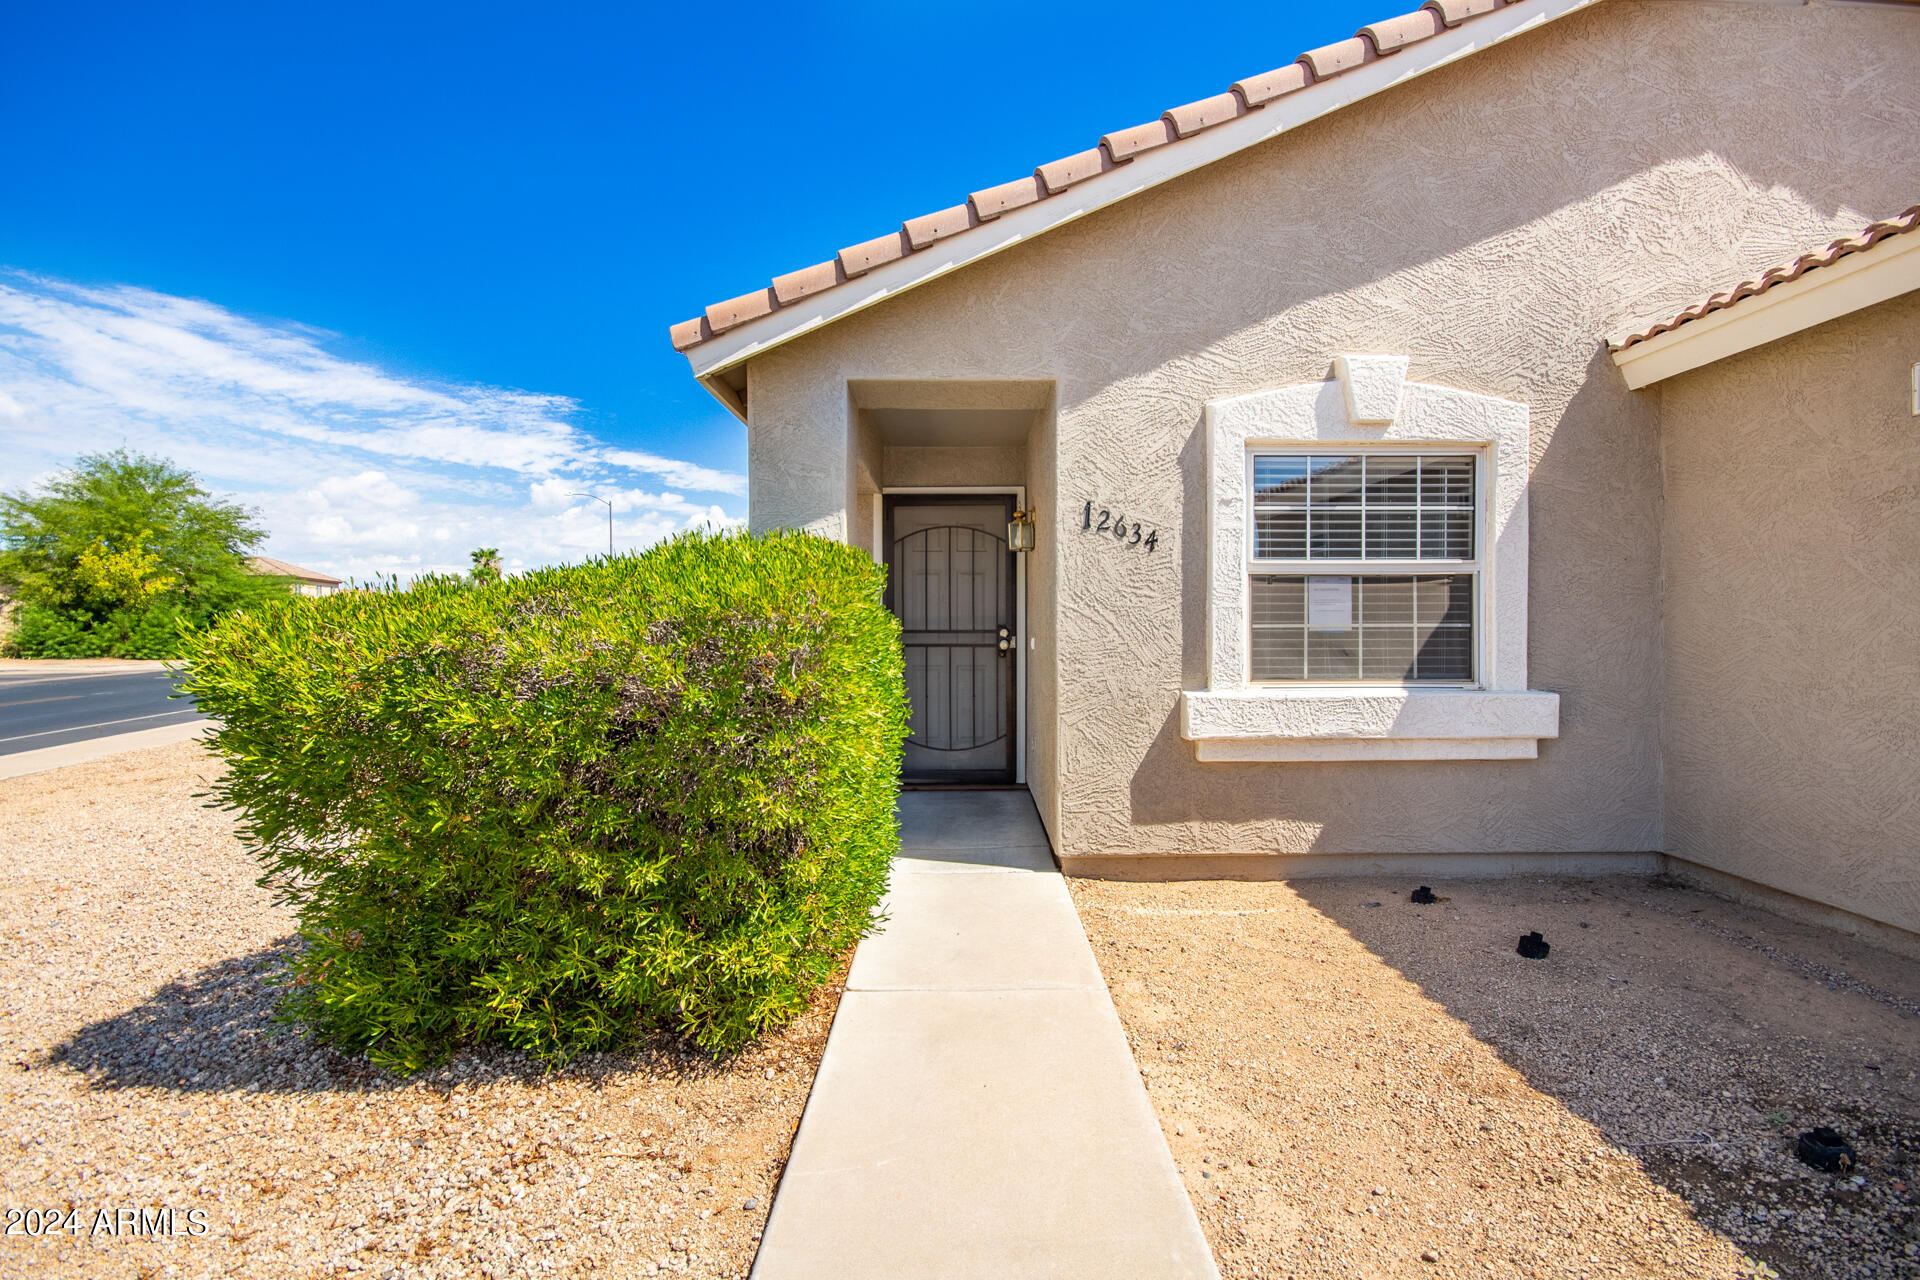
[1102,520]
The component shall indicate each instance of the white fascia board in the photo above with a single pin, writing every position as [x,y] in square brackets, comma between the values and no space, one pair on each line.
[1859,280]
[1150,169]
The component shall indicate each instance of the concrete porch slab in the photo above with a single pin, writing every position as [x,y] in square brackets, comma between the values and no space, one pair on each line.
[971,831]
[938,820]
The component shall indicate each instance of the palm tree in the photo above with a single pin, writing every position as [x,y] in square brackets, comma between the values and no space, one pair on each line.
[486,564]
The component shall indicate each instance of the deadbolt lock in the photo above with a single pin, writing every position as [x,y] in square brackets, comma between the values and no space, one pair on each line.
[1006,639]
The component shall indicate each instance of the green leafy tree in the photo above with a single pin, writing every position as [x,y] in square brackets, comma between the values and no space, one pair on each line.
[486,564]
[112,577]
[114,556]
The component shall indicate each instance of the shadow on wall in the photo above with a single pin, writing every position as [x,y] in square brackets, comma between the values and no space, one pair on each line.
[1698,1035]
[1594,638]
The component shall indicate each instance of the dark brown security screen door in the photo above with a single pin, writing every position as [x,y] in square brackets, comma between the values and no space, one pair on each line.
[950,581]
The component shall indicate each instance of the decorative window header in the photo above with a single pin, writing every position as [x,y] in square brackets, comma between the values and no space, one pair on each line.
[1398,510]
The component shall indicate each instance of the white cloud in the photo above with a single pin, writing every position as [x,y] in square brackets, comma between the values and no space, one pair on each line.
[356,470]
[682,475]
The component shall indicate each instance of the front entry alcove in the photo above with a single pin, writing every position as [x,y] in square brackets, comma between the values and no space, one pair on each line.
[940,469]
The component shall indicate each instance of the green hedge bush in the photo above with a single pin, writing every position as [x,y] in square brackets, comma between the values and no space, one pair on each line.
[654,792]
[150,632]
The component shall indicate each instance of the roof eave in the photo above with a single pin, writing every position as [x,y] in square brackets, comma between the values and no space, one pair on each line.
[1853,283]
[728,350]
[733,400]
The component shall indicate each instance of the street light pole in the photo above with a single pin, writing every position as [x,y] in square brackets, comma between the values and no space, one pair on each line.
[608,503]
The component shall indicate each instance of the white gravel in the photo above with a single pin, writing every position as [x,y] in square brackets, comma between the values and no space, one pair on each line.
[140,1068]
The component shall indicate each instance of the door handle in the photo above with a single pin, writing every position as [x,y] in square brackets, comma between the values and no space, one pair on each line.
[1006,640]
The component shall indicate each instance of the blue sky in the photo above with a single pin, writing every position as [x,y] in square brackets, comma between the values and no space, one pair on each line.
[401,275]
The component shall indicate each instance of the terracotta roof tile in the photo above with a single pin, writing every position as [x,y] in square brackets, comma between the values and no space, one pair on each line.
[927,228]
[1060,174]
[1128,143]
[1398,33]
[1331,59]
[805,282]
[722,316]
[1455,12]
[857,260]
[1380,39]
[1006,197]
[689,333]
[1257,91]
[1204,114]
[1901,224]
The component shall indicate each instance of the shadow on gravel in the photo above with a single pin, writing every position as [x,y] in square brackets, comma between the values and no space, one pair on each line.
[217,1032]
[212,1032]
[1698,1035]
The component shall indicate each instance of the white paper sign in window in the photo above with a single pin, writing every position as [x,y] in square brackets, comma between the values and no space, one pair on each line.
[1329,604]
[1389,513]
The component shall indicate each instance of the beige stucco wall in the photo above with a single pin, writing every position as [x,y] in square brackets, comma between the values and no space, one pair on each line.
[1043,624]
[869,475]
[909,467]
[1491,220]
[1793,614]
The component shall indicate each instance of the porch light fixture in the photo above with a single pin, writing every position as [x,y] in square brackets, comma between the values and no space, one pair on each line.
[1020,531]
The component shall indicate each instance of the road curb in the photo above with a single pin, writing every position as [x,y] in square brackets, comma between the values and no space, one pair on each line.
[44,759]
[68,668]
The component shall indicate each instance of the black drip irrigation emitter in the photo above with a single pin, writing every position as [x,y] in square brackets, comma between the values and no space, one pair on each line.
[1826,1149]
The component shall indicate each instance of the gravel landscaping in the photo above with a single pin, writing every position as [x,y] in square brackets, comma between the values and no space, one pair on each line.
[1357,1086]
[143,1071]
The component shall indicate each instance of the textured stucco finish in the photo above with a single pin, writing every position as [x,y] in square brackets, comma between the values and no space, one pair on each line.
[869,473]
[1793,614]
[935,467]
[802,465]
[1490,221]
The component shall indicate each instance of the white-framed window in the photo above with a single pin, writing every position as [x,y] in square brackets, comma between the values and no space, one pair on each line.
[1365,565]
[1367,574]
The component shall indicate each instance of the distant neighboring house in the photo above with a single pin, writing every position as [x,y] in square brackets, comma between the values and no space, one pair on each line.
[1375,469]
[305,582]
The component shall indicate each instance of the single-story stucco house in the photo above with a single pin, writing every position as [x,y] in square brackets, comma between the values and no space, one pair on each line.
[1396,502]
[301,581]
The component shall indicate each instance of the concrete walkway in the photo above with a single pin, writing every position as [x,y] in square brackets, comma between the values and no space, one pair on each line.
[977,1112]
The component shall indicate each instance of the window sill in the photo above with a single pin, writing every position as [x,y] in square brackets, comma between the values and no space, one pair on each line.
[1274,723]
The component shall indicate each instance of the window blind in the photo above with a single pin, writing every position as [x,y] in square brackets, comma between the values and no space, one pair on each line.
[1402,511]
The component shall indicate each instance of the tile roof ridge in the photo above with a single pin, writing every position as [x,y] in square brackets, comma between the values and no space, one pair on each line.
[1866,238]
[273,566]
[1372,42]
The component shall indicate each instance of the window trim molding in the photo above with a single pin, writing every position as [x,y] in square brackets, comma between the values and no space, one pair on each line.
[1368,403]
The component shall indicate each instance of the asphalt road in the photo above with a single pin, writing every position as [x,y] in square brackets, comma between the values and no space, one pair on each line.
[51,710]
